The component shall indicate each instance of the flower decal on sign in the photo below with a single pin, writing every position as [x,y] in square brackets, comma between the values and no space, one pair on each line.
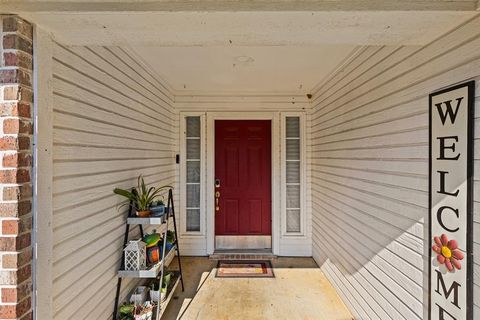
[447,252]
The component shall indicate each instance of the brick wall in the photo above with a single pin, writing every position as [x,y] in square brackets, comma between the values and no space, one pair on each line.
[16,99]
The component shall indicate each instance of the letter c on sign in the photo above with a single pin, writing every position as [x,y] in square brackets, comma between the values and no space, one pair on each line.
[439,217]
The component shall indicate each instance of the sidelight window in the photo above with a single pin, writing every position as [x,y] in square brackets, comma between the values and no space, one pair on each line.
[193,173]
[292,175]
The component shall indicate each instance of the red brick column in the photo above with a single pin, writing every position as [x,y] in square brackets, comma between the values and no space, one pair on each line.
[16,100]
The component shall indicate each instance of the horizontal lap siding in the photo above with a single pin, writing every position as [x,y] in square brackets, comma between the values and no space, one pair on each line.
[112,122]
[370,171]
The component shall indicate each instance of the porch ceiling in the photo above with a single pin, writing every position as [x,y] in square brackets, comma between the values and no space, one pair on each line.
[254,52]
[244,70]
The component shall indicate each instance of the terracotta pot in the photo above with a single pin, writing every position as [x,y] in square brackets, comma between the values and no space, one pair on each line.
[143,214]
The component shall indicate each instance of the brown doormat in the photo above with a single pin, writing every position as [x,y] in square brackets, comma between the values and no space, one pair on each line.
[244,269]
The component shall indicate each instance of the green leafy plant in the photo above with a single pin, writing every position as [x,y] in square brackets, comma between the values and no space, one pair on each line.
[166,280]
[126,311]
[140,197]
[158,202]
[170,236]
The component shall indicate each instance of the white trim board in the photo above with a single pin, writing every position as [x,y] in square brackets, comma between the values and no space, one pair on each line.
[203,242]
[283,165]
[234,104]
[274,117]
[196,97]
[183,179]
[43,176]
[235,6]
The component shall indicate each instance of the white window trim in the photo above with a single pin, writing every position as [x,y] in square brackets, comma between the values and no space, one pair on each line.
[303,175]
[183,175]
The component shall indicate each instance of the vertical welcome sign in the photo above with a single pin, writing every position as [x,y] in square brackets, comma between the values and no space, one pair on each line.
[451,210]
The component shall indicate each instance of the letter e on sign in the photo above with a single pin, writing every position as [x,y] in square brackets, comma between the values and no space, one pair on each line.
[450,282]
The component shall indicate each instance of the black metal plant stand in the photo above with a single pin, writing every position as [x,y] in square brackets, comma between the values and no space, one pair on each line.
[163,222]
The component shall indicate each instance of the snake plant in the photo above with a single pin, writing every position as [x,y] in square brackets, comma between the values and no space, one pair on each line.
[140,197]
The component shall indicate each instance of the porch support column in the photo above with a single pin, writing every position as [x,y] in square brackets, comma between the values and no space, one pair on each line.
[16,135]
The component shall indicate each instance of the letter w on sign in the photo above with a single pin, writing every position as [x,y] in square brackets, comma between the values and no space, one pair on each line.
[445,108]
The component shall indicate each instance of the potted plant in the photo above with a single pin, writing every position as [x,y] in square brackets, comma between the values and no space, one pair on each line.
[139,296]
[155,293]
[144,311]
[170,240]
[141,197]
[154,251]
[133,311]
[157,208]
[126,311]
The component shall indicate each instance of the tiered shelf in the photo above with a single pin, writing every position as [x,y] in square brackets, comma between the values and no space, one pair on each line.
[156,270]
[177,277]
[149,220]
[153,271]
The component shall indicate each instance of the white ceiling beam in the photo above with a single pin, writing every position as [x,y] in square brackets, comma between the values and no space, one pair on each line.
[249,28]
[18,6]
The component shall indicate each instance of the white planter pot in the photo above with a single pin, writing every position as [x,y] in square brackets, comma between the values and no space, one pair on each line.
[154,295]
[140,295]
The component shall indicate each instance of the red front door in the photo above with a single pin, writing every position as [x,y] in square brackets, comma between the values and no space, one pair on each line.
[243,172]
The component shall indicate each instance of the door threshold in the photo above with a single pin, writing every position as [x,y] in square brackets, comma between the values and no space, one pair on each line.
[244,251]
[245,242]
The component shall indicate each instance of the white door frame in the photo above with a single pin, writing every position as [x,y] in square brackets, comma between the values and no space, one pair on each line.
[276,171]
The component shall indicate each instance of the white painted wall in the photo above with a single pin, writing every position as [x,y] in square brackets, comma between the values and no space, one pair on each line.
[370,172]
[112,121]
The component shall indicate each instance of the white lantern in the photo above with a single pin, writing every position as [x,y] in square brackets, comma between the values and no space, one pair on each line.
[135,255]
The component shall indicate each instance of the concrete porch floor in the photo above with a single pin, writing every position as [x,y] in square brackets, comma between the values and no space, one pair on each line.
[299,291]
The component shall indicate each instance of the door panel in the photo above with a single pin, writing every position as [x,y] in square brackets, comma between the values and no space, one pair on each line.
[243,166]
[231,210]
[255,220]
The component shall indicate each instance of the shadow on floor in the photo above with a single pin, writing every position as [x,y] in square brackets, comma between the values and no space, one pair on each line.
[298,291]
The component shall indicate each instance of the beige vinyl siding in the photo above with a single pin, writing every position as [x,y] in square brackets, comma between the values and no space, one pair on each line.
[112,122]
[370,171]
